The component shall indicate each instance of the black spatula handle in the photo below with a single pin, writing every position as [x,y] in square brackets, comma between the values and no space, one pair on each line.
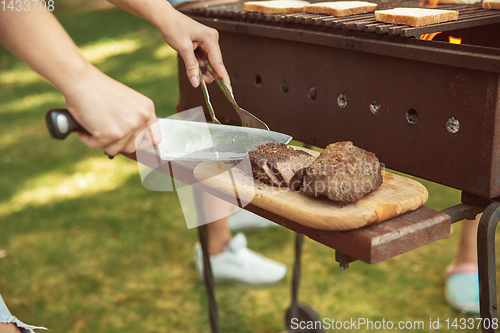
[61,123]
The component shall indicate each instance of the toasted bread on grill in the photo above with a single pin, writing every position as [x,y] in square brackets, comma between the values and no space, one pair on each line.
[415,17]
[453,2]
[276,6]
[491,4]
[341,8]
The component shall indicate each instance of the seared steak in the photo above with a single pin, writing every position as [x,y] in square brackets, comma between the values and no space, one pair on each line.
[343,172]
[279,165]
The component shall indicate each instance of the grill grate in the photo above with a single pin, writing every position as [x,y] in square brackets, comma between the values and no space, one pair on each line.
[469,16]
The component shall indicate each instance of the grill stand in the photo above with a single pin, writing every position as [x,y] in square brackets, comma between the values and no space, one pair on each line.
[298,310]
[208,278]
[485,252]
[487,266]
[293,310]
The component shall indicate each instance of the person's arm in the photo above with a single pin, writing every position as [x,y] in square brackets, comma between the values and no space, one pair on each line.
[111,112]
[182,33]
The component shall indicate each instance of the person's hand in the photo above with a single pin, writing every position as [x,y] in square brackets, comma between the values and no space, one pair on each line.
[185,35]
[111,112]
[9,328]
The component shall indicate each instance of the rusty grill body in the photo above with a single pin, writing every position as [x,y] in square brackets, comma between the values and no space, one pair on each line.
[427,108]
[316,79]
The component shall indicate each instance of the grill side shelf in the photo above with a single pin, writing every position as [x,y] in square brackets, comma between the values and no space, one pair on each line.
[469,16]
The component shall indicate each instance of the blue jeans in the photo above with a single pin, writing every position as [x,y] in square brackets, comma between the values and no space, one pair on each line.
[6,317]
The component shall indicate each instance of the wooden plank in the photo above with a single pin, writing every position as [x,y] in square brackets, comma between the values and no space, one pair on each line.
[396,196]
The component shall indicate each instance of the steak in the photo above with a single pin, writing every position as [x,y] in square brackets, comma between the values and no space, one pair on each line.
[342,172]
[279,165]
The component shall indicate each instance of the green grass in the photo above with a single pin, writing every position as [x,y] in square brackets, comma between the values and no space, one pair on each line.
[87,249]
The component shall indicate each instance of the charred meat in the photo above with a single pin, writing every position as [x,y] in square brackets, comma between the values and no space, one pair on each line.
[279,165]
[343,172]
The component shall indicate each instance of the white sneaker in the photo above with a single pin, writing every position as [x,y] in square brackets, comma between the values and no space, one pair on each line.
[245,220]
[239,264]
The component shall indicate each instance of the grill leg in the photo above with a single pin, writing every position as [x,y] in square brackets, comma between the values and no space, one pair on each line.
[299,311]
[299,240]
[487,267]
[295,310]
[208,279]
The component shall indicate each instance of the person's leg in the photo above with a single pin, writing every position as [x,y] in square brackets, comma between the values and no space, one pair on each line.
[467,247]
[230,258]
[219,236]
[461,278]
[9,328]
[218,232]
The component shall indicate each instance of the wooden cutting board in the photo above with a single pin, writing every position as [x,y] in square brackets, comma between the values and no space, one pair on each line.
[397,195]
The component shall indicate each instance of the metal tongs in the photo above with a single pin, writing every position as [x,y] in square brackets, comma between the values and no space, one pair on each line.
[247,119]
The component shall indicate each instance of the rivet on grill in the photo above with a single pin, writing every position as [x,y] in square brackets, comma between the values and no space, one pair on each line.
[412,116]
[312,93]
[342,100]
[375,107]
[236,77]
[284,86]
[258,81]
[453,125]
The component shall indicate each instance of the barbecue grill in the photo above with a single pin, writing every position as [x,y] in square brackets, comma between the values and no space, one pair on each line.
[426,108]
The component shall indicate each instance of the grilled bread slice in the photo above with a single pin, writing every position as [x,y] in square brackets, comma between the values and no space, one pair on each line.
[415,17]
[341,8]
[453,2]
[491,4]
[276,6]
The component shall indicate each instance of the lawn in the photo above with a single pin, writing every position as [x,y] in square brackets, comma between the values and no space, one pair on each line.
[85,248]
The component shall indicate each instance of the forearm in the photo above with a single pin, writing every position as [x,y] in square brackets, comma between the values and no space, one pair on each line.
[39,40]
[182,33]
[111,112]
